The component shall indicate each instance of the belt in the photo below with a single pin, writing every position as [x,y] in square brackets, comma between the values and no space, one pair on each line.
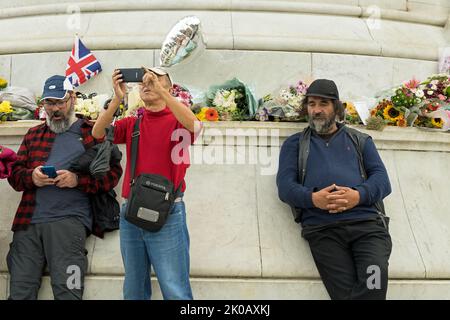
[178,199]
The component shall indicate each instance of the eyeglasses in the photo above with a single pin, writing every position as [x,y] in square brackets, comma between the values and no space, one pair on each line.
[58,103]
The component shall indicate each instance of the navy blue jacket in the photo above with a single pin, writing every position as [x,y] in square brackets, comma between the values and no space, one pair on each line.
[333,162]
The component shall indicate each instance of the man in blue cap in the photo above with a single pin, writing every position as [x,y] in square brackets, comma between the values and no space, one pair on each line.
[54,215]
[334,180]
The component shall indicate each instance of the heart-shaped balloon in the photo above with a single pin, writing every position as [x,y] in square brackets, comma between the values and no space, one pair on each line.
[183,42]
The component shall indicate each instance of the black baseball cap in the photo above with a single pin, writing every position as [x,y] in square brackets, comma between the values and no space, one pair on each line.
[323,88]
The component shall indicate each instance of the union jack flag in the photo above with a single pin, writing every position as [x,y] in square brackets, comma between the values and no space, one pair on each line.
[82,64]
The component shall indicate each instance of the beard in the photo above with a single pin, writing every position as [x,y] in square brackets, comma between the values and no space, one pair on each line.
[63,124]
[322,124]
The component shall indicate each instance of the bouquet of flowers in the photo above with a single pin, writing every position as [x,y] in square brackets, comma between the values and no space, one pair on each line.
[284,105]
[436,102]
[8,112]
[423,104]
[399,106]
[351,115]
[391,115]
[182,93]
[90,106]
[230,101]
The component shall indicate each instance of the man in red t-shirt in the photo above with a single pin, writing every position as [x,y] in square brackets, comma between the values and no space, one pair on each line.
[166,130]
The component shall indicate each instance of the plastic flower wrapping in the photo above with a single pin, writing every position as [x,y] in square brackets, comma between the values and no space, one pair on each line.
[16,103]
[230,101]
[283,105]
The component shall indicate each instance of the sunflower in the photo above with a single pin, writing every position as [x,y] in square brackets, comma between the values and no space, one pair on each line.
[350,108]
[437,122]
[211,114]
[391,114]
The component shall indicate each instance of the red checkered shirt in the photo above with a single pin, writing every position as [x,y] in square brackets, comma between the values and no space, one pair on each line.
[34,152]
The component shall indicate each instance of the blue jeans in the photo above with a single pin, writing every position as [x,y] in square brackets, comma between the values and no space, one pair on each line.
[167,251]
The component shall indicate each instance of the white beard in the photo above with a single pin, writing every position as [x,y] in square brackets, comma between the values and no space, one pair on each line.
[60,126]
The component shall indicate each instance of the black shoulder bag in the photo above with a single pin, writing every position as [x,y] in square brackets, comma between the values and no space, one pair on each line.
[151,195]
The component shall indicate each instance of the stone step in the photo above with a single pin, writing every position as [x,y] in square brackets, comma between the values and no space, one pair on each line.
[110,288]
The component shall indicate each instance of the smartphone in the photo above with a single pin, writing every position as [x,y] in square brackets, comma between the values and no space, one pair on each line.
[50,171]
[132,74]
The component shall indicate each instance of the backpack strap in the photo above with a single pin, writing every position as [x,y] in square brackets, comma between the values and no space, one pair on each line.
[359,139]
[303,153]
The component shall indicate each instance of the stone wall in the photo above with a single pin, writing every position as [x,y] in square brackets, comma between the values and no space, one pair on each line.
[244,242]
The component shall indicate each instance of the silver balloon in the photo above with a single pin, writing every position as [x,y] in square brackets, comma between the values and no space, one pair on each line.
[183,41]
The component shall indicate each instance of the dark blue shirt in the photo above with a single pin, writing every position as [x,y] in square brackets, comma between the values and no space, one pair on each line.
[54,203]
[331,162]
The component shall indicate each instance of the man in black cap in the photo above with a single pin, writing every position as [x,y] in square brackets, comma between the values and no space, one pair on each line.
[334,180]
[54,215]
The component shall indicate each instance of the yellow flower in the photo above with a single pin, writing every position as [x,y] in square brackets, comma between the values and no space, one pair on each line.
[3,83]
[391,114]
[437,122]
[350,108]
[5,107]
[202,114]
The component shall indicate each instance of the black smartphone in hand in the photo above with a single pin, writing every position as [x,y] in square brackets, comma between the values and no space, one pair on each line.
[132,74]
[50,171]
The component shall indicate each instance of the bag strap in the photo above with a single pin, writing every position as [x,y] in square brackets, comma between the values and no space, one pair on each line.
[359,141]
[303,153]
[134,149]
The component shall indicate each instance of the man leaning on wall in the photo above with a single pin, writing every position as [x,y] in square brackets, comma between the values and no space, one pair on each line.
[334,179]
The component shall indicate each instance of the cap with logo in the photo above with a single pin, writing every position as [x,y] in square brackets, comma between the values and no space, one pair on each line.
[56,87]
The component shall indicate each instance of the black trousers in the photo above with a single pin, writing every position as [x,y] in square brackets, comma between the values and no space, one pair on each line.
[61,246]
[352,258]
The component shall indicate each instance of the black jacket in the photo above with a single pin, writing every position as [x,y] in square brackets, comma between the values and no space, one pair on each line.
[105,207]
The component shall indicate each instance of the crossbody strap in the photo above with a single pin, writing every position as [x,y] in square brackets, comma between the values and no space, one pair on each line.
[134,149]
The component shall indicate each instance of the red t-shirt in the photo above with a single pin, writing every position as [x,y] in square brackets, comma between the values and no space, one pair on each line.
[157,153]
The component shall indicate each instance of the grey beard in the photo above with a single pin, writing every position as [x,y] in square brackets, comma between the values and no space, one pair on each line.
[321,126]
[63,125]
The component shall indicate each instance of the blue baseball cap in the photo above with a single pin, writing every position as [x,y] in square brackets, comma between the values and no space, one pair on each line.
[56,87]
